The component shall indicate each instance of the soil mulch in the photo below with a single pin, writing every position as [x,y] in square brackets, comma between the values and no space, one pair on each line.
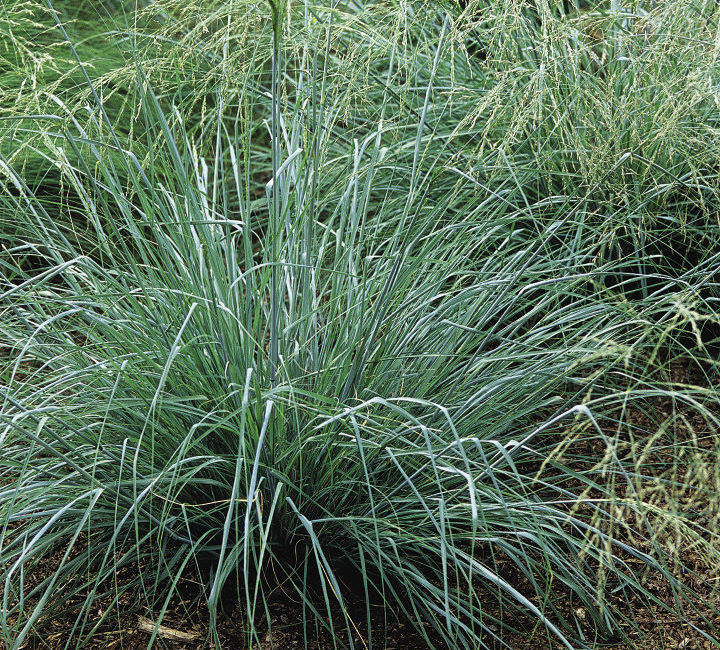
[653,628]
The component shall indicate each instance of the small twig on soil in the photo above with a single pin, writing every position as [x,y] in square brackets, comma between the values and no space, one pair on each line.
[146,625]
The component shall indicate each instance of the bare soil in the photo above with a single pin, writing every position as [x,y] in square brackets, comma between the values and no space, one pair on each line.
[185,623]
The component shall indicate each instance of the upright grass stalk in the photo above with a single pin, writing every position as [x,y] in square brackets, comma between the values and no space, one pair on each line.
[275,228]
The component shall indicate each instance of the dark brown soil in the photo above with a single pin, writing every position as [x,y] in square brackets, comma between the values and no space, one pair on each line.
[658,627]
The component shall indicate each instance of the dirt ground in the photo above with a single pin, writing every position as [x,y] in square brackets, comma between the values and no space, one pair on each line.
[184,624]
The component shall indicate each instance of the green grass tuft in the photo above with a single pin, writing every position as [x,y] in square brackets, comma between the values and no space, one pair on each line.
[340,314]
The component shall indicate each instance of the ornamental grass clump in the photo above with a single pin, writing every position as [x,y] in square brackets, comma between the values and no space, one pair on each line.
[280,345]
